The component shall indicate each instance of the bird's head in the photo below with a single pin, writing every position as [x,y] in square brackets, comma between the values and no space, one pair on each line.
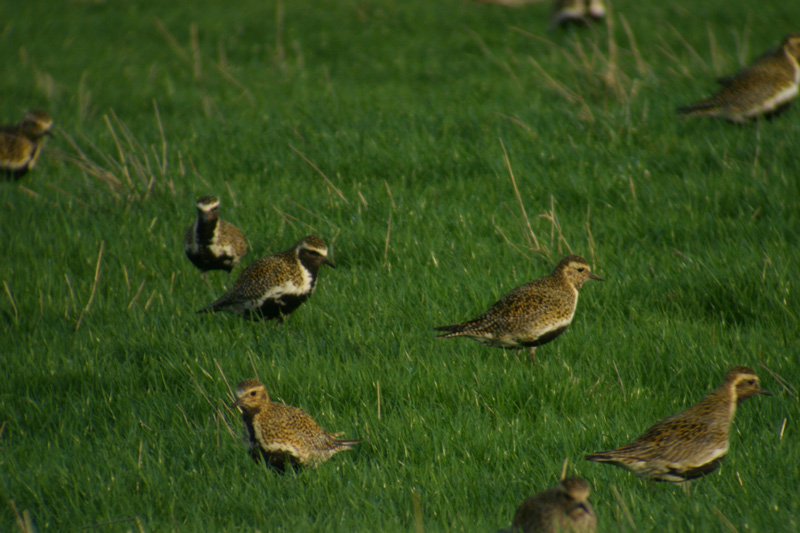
[207,207]
[313,251]
[36,123]
[251,395]
[744,382]
[576,270]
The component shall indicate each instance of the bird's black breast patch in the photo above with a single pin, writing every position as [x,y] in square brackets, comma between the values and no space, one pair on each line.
[547,337]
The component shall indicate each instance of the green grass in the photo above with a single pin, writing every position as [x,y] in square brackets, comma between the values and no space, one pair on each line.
[114,399]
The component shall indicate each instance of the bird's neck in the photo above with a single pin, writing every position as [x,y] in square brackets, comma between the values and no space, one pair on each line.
[206,228]
[310,266]
[725,394]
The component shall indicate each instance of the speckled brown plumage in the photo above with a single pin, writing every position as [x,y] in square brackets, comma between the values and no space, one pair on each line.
[691,443]
[276,285]
[765,88]
[566,12]
[210,242]
[563,508]
[532,314]
[20,144]
[281,434]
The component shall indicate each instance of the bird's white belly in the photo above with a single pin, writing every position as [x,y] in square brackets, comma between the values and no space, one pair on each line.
[777,100]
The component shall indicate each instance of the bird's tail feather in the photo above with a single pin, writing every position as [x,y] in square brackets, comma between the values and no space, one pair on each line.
[601,457]
[348,442]
[700,108]
[454,330]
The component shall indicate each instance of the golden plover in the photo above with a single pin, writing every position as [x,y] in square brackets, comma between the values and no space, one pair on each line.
[691,443]
[562,508]
[210,242]
[276,285]
[532,314]
[765,88]
[566,12]
[281,434]
[21,143]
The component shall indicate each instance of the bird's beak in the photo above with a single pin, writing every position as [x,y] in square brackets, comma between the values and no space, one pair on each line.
[329,263]
[595,276]
[764,392]
[235,404]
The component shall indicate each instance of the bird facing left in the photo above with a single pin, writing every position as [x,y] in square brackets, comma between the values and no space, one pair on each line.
[281,434]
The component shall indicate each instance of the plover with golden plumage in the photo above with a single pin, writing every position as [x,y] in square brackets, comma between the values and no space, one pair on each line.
[20,144]
[281,434]
[276,285]
[563,508]
[764,89]
[532,314]
[210,242]
[691,443]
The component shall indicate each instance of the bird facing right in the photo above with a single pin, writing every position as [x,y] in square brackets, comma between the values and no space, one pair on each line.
[276,285]
[765,88]
[562,508]
[281,434]
[21,143]
[532,314]
[691,443]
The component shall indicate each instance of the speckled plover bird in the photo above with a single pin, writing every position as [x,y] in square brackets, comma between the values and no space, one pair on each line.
[563,508]
[764,89]
[691,443]
[281,434]
[276,285]
[210,242]
[20,144]
[532,314]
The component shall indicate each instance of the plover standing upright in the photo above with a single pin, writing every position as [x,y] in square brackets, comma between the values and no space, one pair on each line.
[532,314]
[691,443]
[765,88]
[210,242]
[276,285]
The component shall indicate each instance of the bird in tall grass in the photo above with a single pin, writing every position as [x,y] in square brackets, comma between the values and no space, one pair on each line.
[532,314]
[276,285]
[21,143]
[210,242]
[281,434]
[567,12]
[691,443]
[563,508]
[764,89]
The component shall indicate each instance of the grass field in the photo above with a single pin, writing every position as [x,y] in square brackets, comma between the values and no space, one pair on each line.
[391,129]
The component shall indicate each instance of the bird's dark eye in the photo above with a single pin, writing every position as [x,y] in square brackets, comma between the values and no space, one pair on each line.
[751,382]
[581,269]
[252,393]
